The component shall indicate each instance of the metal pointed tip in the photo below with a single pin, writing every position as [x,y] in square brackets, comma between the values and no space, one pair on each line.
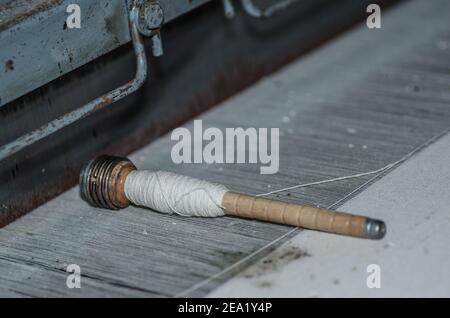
[374,229]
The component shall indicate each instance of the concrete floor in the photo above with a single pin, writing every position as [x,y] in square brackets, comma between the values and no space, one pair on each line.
[414,257]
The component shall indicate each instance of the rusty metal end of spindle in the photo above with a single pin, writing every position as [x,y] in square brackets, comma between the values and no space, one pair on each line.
[102,182]
[374,229]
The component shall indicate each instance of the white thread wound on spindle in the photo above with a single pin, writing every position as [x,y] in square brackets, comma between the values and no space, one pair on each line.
[168,192]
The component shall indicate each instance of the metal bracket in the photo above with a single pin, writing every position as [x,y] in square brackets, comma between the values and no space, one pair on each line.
[138,11]
[149,18]
[254,11]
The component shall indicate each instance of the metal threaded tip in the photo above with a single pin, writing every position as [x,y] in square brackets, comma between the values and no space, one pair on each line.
[102,181]
[374,229]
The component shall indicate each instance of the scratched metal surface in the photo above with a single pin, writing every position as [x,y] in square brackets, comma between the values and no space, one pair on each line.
[338,115]
[36,41]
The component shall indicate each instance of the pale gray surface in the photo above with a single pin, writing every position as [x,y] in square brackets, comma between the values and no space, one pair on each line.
[364,101]
[414,258]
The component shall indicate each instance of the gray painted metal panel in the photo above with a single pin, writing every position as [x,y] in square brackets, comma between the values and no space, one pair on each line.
[100,102]
[36,47]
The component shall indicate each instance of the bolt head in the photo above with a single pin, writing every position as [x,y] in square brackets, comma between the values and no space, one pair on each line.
[153,16]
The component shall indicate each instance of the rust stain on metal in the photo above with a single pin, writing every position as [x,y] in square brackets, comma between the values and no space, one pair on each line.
[105,101]
[17,11]
[12,210]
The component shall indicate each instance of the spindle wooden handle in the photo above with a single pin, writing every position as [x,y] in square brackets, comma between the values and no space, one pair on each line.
[252,207]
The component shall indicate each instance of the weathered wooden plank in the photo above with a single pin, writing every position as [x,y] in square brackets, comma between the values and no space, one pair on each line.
[356,105]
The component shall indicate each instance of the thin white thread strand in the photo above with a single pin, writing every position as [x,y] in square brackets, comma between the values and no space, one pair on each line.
[359,175]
